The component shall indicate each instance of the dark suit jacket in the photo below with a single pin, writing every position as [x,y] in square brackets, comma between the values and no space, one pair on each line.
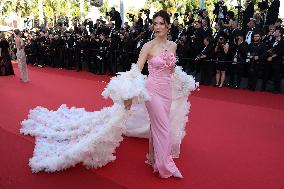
[278,50]
[248,13]
[272,13]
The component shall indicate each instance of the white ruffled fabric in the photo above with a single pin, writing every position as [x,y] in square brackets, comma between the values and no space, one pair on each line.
[182,86]
[69,136]
[66,136]
[127,85]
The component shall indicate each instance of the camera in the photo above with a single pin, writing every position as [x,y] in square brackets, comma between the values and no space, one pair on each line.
[131,16]
[195,11]
[263,5]
[110,13]
[220,3]
[146,11]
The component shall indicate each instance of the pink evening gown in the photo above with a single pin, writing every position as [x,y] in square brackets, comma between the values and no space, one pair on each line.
[158,85]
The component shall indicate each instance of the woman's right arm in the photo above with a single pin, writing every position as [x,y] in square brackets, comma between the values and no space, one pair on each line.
[143,55]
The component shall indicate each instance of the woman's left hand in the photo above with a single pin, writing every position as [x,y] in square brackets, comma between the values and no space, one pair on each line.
[128,104]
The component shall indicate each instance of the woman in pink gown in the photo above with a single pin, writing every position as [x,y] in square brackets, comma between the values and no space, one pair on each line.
[73,135]
[160,55]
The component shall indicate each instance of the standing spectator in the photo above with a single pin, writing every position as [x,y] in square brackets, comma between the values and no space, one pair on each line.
[273,12]
[174,30]
[249,31]
[206,28]
[115,16]
[220,11]
[206,65]
[221,51]
[248,13]
[6,67]
[140,21]
[275,59]
[240,55]
[21,56]
[256,54]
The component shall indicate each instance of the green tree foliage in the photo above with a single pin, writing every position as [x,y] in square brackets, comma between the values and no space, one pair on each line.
[174,6]
[57,8]
[51,8]
[105,7]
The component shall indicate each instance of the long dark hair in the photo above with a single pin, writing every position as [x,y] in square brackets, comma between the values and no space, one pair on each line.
[164,15]
[17,31]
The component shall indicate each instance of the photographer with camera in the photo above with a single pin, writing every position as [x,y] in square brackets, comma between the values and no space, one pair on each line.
[221,51]
[269,38]
[139,22]
[256,52]
[220,11]
[188,19]
[273,12]
[148,20]
[248,13]
[115,16]
[174,30]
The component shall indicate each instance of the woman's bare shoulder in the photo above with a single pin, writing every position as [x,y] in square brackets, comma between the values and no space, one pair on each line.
[149,44]
[172,44]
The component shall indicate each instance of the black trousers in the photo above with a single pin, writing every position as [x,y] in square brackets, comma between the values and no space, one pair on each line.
[206,69]
[272,70]
[237,72]
[254,72]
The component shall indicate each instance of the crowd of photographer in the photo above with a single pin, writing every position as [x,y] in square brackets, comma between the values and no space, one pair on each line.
[226,53]
[234,50]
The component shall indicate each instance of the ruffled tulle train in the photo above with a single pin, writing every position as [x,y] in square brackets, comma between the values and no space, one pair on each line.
[69,136]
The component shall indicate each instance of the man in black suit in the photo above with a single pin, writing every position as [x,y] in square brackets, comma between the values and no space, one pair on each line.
[140,21]
[272,13]
[197,44]
[206,66]
[250,30]
[248,13]
[102,63]
[275,59]
[238,65]
[206,28]
[174,30]
[115,16]
[256,54]
[220,11]
[269,38]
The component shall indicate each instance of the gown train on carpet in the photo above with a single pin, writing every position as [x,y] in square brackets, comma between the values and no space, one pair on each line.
[69,136]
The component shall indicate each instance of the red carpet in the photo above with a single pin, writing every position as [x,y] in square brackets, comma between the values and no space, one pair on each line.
[235,138]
